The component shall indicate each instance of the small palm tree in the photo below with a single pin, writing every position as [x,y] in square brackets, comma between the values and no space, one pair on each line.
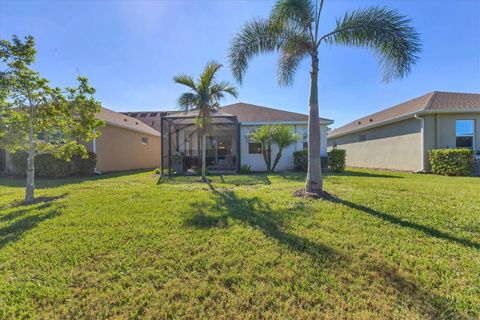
[204,97]
[293,30]
[265,136]
[283,138]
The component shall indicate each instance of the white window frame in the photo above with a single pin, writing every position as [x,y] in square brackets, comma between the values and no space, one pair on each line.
[466,135]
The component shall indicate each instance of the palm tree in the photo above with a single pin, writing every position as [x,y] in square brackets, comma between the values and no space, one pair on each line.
[265,136]
[283,138]
[292,29]
[204,97]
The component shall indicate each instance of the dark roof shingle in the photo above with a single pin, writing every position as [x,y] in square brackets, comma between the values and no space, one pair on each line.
[432,102]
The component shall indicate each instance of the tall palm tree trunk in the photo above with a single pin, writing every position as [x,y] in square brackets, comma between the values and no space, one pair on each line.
[314,183]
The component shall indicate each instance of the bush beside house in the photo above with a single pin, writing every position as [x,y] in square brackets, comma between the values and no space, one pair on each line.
[451,162]
[47,166]
[336,160]
[300,160]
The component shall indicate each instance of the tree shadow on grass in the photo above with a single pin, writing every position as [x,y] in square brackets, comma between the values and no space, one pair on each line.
[300,176]
[45,183]
[247,180]
[256,213]
[412,225]
[14,231]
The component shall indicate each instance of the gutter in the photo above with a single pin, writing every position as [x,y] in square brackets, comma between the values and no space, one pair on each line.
[422,131]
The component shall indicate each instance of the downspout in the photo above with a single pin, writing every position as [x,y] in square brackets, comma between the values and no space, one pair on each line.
[94,146]
[422,132]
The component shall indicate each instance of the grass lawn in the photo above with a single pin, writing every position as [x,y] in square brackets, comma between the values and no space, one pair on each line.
[391,245]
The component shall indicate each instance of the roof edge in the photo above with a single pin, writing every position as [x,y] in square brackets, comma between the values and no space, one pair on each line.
[118,125]
[374,125]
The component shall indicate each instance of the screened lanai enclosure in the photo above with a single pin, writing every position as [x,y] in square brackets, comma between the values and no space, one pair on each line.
[182,143]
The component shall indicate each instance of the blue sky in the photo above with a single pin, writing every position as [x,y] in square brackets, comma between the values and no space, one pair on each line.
[130,50]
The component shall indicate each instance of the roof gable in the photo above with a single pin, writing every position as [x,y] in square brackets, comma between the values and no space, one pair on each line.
[246,112]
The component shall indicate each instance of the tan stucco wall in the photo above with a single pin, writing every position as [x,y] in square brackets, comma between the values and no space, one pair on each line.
[121,149]
[440,130]
[394,146]
[444,135]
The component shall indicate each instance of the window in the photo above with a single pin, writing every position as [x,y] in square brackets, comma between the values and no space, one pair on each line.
[305,138]
[362,137]
[254,148]
[144,140]
[464,131]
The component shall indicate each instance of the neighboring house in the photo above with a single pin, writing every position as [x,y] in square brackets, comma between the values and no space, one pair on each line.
[125,143]
[227,145]
[400,137]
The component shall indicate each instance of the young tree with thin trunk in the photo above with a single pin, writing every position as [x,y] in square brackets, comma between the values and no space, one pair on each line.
[272,134]
[39,119]
[204,97]
[283,138]
[292,29]
[265,136]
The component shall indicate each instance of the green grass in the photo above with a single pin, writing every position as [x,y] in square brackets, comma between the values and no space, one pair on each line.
[390,245]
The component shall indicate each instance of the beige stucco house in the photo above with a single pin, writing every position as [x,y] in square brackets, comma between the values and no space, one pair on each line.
[400,137]
[125,143]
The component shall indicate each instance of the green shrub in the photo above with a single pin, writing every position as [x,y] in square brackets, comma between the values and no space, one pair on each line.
[245,168]
[198,171]
[451,162]
[300,160]
[157,171]
[47,166]
[336,160]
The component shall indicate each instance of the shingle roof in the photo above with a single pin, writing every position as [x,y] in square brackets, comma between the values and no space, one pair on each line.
[123,121]
[432,102]
[246,112]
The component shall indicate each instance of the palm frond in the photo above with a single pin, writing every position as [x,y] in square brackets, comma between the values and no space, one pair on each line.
[256,37]
[292,53]
[394,41]
[186,80]
[188,101]
[301,11]
[224,87]
[208,74]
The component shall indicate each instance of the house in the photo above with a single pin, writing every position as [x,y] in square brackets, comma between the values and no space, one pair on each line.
[400,137]
[125,143]
[132,140]
[227,145]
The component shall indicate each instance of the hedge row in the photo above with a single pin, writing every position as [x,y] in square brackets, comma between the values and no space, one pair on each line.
[451,162]
[46,165]
[336,160]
